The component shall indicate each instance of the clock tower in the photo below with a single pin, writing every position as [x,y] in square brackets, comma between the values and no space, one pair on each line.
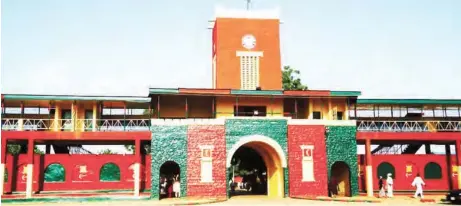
[246,50]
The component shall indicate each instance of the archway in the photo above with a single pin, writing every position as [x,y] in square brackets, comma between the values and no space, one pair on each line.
[168,172]
[340,172]
[266,154]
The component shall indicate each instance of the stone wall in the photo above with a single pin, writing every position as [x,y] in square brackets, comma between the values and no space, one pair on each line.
[307,135]
[169,143]
[210,135]
[342,146]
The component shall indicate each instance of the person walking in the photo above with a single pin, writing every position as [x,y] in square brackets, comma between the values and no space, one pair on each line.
[390,184]
[418,183]
[382,192]
[177,187]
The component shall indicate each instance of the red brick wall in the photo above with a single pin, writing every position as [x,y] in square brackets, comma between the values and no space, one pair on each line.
[401,182]
[307,135]
[70,162]
[206,135]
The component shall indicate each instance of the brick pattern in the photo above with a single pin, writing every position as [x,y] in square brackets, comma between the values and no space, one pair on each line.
[169,143]
[307,135]
[342,146]
[213,135]
[275,129]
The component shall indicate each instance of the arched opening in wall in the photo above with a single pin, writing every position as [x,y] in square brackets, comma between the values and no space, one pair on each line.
[432,170]
[109,172]
[169,180]
[340,179]
[55,173]
[256,168]
[385,168]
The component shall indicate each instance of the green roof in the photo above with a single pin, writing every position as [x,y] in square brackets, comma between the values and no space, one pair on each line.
[257,92]
[345,93]
[410,101]
[74,97]
[163,91]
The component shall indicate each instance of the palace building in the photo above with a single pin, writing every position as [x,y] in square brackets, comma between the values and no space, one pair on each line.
[303,139]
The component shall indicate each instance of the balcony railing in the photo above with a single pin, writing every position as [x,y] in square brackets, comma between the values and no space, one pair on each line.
[409,126]
[77,125]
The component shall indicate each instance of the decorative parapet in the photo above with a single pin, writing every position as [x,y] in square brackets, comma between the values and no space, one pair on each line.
[219,121]
[322,122]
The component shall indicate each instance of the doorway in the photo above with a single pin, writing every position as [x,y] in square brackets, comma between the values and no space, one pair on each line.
[340,173]
[169,180]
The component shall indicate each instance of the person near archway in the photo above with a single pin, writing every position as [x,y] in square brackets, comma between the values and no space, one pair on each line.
[176,186]
[418,183]
[333,187]
[382,192]
[390,184]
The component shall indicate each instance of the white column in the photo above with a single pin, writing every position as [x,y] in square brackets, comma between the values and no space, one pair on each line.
[95,116]
[137,179]
[29,190]
[369,180]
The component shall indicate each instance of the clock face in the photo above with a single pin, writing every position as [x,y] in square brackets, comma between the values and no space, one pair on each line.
[248,41]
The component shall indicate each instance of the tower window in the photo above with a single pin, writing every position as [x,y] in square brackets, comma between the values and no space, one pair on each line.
[249,70]
[316,115]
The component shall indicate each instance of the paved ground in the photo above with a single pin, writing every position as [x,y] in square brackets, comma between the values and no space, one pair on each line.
[252,201]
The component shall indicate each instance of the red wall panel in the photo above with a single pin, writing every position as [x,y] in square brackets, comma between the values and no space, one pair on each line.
[206,135]
[71,164]
[307,135]
[418,162]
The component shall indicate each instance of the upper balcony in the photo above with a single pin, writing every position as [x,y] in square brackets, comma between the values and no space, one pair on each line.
[75,113]
[407,115]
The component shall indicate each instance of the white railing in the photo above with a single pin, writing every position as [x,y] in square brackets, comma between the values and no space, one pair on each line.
[77,125]
[409,126]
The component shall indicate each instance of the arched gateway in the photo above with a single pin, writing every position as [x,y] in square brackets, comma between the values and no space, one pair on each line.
[273,156]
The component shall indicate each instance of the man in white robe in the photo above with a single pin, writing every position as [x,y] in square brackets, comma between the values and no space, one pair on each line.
[418,183]
[390,184]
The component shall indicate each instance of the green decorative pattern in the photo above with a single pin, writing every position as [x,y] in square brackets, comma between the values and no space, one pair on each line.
[169,143]
[342,146]
[275,129]
[55,173]
[110,172]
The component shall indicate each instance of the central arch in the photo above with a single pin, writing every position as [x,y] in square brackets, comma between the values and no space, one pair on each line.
[273,156]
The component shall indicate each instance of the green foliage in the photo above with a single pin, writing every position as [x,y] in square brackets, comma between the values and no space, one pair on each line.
[130,148]
[15,149]
[55,173]
[291,80]
[110,172]
[107,151]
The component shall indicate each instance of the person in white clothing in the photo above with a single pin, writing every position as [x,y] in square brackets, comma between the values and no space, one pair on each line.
[418,183]
[390,184]
[176,187]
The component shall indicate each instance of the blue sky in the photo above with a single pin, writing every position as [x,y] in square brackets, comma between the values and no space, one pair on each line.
[386,48]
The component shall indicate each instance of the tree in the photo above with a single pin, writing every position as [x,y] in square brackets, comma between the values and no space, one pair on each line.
[130,148]
[107,151]
[291,80]
[15,149]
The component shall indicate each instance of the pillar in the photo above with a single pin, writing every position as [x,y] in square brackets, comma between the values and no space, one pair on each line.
[30,168]
[346,110]
[368,168]
[137,167]
[449,166]
[95,116]
[458,161]
[330,112]
[57,117]
[311,108]
[2,165]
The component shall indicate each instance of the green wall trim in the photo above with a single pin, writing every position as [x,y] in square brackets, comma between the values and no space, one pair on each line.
[345,93]
[342,146]
[163,91]
[169,143]
[410,101]
[257,92]
[70,97]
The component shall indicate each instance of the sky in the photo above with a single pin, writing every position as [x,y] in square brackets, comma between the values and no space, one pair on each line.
[384,48]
